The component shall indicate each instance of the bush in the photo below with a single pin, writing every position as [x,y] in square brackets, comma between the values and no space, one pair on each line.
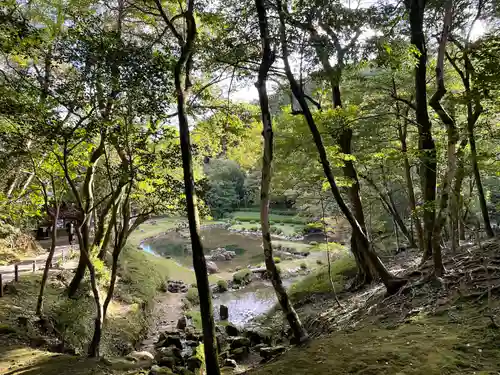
[277,260]
[254,229]
[279,231]
[222,285]
[303,266]
[315,227]
[319,262]
[193,296]
[271,222]
[242,277]
[313,243]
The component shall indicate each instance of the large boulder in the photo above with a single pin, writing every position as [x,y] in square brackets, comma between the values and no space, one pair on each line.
[140,356]
[172,340]
[212,268]
[230,363]
[169,357]
[232,330]
[239,354]
[259,336]
[193,363]
[239,341]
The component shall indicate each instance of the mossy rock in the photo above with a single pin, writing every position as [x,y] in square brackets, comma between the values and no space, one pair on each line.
[242,277]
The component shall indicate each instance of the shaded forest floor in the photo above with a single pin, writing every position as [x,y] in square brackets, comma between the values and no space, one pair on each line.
[448,326]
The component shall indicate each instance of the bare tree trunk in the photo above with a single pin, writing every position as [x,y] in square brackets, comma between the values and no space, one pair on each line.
[452,131]
[456,200]
[426,145]
[81,268]
[298,330]
[182,83]
[48,262]
[392,283]
[479,184]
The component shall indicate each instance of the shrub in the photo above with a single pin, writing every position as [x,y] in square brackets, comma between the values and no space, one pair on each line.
[271,222]
[193,296]
[242,277]
[279,231]
[277,260]
[254,229]
[313,243]
[222,285]
[319,262]
[303,266]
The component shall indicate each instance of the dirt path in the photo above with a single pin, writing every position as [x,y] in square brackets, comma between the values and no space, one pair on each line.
[26,265]
[166,312]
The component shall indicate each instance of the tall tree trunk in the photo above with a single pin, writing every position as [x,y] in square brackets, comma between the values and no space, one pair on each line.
[479,184]
[367,272]
[48,262]
[81,268]
[452,133]
[402,124]
[391,283]
[298,330]
[182,81]
[456,200]
[426,145]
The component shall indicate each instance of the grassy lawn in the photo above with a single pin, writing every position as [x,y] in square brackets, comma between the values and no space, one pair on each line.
[152,228]
[255,216]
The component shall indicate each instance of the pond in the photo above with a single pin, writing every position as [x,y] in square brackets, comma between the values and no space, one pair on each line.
[246,303]
[176,245]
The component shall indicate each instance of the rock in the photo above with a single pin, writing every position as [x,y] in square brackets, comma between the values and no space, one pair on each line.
[239,353]
[193,363]
[212,268]
[23,321]
[258,337]
[169,356]
[271,351]
[192,343]
[10,288]
[157,370]
[172,340]
[194,335]
[232,330]
[38,341]
[182,323]
[177,286]
[257,347]
[230,363]
[140,356]
[239,341]
[223,312]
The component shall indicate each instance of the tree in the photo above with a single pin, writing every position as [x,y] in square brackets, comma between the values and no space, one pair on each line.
[267,133]
[186,43]
[391,283]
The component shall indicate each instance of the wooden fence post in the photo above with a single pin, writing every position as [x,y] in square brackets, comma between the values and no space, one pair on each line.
[16,273]
[34,265]
[1,286]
